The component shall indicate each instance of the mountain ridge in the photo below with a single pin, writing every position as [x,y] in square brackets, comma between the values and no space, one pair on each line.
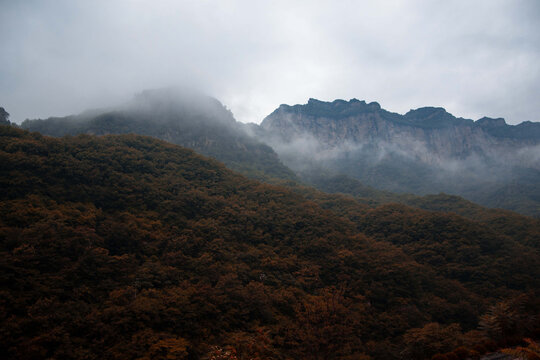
[426,150]
[317,105]
[180,116]
[392,160]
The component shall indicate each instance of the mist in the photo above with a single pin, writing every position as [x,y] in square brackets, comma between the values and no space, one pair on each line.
[476,59]
[304,150]
[498,177]
[426,151]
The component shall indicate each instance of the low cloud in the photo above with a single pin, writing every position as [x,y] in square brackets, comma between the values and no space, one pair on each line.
[474,59]
[405,163]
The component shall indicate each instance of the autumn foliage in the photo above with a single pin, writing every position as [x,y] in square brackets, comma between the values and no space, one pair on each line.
[127,247]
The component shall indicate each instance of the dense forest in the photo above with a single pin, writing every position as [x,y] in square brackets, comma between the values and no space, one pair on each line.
[125,246]
[503,221]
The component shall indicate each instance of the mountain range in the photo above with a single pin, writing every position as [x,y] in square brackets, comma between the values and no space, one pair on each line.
[332,145]
[425,151]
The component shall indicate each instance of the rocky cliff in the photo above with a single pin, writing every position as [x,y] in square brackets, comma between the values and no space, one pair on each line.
[426,150]
[430,134]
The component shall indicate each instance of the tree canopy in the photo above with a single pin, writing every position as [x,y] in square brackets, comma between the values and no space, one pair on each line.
[125,246]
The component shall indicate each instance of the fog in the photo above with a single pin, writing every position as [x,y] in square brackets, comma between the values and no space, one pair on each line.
[475,59]
[411,166]
[401,158]
[303,150]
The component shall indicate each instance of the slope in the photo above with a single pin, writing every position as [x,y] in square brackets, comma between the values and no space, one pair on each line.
[520,228]
[130,247]
[180,116]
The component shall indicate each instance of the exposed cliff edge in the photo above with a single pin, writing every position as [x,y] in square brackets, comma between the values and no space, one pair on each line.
[426,150]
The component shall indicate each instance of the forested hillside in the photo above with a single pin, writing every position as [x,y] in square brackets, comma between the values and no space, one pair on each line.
[503,221]
[182,117]
[203,124]
[129,247]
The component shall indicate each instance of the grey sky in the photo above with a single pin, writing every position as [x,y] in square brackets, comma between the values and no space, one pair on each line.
[474,58]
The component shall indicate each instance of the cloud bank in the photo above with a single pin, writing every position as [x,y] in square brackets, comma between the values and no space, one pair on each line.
[475,59]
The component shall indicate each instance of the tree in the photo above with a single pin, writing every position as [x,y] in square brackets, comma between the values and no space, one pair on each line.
[327,327]
[169,349]
[433,338]
[531,352]
[4,117]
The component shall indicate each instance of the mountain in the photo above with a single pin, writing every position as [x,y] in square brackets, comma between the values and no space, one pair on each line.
[202,123]
[205,125]
[182,117]
[427,150]
[126,246]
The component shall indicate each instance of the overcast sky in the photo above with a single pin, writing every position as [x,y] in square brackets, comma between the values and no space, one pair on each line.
[474,58]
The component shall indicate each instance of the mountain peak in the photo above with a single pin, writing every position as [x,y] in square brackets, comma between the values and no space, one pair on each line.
[426,112]
[335,109]
[341,102]
[177,102]
[174,96]
[313,101]
[491,122]
[434,117]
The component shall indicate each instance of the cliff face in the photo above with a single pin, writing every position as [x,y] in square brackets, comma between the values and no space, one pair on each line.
[426,150]
[429,134]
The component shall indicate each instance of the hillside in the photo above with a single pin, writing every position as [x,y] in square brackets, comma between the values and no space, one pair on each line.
[503,221]
[126,246]
[182,117]
[203,124]
[426,150]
